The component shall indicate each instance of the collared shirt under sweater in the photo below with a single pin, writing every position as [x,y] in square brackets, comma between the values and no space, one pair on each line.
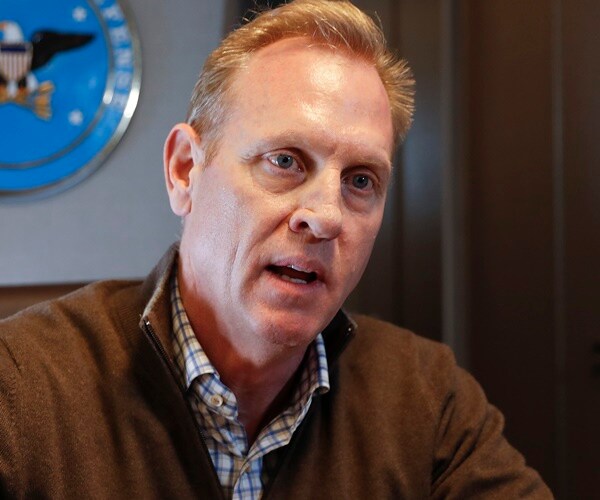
[238,465]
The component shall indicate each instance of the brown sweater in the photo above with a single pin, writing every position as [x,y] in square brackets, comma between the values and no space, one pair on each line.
[89,408]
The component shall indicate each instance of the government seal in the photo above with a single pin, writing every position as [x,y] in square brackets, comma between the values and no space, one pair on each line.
[69,84]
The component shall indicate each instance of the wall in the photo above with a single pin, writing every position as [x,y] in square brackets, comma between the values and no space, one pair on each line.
[117,222]
[531,109]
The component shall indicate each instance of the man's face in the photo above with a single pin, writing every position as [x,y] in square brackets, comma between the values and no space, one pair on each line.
[283,219]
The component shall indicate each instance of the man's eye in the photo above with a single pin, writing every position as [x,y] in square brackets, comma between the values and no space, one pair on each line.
[362,181]
[283,160]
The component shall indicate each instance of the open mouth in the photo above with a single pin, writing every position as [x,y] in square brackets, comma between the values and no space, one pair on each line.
[289,273]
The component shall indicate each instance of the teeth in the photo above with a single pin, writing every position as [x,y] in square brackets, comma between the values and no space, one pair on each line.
[293,280]
[298,268]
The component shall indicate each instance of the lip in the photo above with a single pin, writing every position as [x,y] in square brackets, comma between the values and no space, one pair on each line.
[301,263]
[291,289]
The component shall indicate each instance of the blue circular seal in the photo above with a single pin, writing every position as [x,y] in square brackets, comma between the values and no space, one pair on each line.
[69,84]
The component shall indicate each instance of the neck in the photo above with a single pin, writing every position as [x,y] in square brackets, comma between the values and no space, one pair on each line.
[262,385]
[259,373]
[262,392]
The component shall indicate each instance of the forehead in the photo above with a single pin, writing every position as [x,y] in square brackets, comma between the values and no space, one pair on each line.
[298,84]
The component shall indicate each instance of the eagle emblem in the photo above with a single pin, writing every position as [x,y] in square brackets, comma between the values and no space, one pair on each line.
[19,59]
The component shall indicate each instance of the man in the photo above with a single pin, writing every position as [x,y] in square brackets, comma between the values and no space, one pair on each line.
[231,371]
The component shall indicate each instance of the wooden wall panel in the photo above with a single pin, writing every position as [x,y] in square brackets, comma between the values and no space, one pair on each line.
[418,248]
[13,299]
[510,187]
[581,175]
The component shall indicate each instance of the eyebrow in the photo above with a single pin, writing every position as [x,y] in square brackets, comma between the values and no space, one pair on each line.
[280,140]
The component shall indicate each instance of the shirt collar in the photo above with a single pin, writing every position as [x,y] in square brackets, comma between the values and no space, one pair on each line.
[192,362]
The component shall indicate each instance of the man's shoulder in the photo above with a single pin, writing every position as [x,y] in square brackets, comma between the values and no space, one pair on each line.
[391,344]
[384,358]
[60,324]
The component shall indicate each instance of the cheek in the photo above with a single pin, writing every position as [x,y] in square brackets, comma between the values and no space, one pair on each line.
[243,222]
[214,224]
[267,210]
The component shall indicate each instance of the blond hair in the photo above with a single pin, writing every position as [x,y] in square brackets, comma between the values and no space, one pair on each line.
[335,23]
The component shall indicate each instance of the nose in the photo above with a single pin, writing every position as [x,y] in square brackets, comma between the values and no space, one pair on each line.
[319,213]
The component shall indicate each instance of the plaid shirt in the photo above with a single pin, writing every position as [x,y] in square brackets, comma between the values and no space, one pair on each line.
[239,467]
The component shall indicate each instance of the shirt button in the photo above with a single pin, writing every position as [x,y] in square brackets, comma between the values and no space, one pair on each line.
[215,400]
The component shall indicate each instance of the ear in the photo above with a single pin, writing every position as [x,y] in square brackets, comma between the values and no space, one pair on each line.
[182,152]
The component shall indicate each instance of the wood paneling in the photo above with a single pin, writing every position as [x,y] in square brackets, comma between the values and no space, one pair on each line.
[534,219]
[13,299]
[581,188]
[511,218]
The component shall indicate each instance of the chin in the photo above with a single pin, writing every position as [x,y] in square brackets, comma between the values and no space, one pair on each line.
[290,330]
